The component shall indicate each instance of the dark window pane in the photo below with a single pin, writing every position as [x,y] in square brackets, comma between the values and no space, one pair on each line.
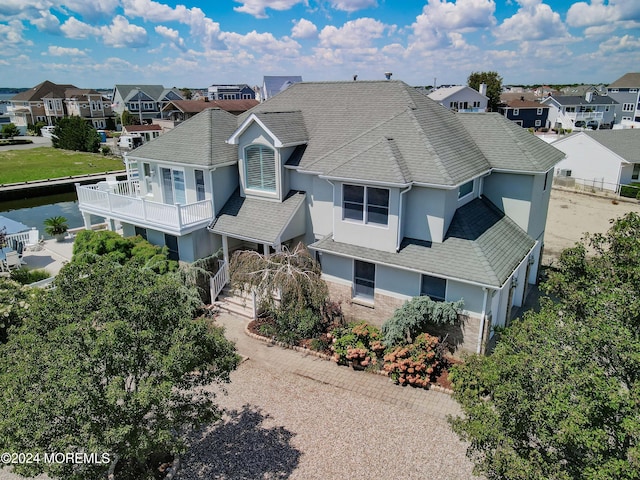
[377,215]
[433,287]
[353,211]
[353,193]
[378,197]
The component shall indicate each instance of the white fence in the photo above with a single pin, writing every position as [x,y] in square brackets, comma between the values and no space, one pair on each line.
[594,185]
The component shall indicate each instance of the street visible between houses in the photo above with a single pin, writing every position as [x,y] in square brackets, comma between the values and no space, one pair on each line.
[571,214]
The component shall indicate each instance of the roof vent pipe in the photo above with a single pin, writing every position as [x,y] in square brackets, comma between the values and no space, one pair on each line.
[482,89]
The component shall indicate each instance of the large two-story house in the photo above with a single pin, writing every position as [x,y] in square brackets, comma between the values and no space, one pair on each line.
[589,111]
[47,102]
[146,102]
[396,197]
[526,113]
[626,91]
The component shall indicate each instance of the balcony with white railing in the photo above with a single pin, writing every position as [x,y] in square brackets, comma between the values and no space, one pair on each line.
[122,201]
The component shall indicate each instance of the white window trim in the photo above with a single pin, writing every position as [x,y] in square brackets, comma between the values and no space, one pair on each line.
[276,167]
[359,299]
[539,111]
[473,189]
[446,287]
[364,220]
[516,112]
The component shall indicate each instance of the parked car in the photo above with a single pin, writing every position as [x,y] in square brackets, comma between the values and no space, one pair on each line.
[580,124]
[130,141]
[593,124]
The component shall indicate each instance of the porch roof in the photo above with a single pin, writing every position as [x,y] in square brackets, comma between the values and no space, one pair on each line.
[482,246]
[258,220]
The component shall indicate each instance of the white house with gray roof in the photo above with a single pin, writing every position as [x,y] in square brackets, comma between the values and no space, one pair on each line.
[397,196]
[603,159]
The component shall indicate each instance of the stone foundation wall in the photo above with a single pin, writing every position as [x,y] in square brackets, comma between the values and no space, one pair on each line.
[462,337]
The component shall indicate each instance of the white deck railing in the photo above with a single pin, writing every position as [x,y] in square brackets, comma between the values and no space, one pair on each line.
[219,280]
[121,201]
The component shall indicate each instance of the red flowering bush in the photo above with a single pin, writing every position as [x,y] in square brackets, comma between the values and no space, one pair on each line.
[417,364]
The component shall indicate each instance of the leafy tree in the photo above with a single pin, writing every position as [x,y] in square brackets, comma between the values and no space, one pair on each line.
[9,130]
[110,361]
[293,276]
[559,397]
[494,86]
[75,133]
[15,301]
[90,245]
[128,118]
[186,93]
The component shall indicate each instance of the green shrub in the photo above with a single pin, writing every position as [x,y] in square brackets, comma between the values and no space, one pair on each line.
[24,276]
[415,316]
[294,324]
[630,191]
[359,343]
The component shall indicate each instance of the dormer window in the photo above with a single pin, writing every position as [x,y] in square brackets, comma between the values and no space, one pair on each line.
[365,204]
[260,168]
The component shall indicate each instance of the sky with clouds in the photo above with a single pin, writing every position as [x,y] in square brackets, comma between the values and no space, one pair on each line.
[196,43]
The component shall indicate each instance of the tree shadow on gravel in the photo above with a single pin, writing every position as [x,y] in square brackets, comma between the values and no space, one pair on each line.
[241,448]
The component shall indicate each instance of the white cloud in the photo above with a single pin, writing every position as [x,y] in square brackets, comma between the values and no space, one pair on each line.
[11,37]
[172,35]
[353,34]
[47,22]
[74,28]
[583,14]
[92,9]
[258,8]
[627,43]
[353,5]
[304,29]
[459,15]
[121,34]
[262,43]
[533,21]
[56,51]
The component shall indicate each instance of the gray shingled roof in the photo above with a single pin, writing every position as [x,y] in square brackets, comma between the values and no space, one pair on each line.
[628,80]
[276,84]
[156,92]
[507,145]
[624,142]
[356,129]
[288,127]
[482,245]
[255,219]
[577,100]
[198,141]
[41,90]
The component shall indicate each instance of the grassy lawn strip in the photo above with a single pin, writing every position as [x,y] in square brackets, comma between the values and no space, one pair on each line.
[48,162]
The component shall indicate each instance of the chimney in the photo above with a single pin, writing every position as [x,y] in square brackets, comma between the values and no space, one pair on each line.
[482,88]
[388,75]
[588,96]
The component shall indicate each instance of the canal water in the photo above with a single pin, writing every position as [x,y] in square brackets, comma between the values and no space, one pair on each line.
[33,211]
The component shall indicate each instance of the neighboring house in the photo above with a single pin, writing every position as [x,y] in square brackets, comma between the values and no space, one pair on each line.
[231,92]
[48,102]
[181,110]
[272,85]
[582,90]
[601,159]
[395,195]
[147,132]
[526,113]
[460,98]
[626,91]
[143,101]
[590,111]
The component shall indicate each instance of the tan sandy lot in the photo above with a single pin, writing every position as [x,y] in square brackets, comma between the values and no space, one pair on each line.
[571,214]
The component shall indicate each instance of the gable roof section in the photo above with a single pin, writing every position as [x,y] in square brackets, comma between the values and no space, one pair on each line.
[483,246]
[287,128]
[153,92]
[199,140]
[508,146]
[576,100]
[255,219]
[276,84]
[628,80]
[443,93]
[42,90]
[624,142]
[346,119]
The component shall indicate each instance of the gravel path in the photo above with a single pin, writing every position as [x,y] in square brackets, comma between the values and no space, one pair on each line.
[286,426]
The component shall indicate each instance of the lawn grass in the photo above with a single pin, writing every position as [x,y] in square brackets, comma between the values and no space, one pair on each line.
[47,162]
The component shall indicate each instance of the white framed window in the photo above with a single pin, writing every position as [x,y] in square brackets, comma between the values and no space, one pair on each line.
[636,172]
[538,123]
[173,186]
[200,192]
[364,280]
[627,107]
[260,168]
[539,111]
[365,204]
[433,287]
[614,90]
[465,189]
[633,90]
[516,112]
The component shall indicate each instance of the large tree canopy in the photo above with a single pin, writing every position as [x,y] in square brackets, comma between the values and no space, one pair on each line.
[75,133]
[559,397]
[110,361]
[494,86]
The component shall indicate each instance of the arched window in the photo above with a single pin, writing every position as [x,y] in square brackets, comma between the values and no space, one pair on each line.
[260,168]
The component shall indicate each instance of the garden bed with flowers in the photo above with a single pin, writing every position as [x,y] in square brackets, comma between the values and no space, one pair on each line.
[421,364]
